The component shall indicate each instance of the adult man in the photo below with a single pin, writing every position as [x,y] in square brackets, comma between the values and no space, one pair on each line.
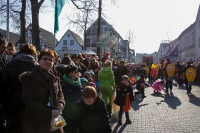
[3,62]
[190,75]
[179,73]
[3,58]
[168,71]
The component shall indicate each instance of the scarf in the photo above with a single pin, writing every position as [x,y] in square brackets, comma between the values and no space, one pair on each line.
[76,82]
[51,79]
[24,57]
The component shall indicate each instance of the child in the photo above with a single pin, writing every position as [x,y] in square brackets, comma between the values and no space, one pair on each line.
[92,114]
[157,85]
[122,90]
[84,82]
[10,50]
[140,85]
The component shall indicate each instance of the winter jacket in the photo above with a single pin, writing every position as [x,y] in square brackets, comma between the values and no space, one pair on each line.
[72,95]
[121,91]
[93,118]
[36,94]
[121,70]
[11,87]
[106,78]
[140,84]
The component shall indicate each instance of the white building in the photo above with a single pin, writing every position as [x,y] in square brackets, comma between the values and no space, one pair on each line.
[69,42]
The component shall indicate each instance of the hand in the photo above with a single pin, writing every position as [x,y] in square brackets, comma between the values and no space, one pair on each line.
[60,106]
[127,93]
[55,113]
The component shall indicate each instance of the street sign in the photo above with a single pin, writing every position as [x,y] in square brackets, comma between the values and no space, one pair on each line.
[101,44]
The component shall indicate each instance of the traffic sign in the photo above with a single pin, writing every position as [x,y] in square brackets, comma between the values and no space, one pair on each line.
[101,44]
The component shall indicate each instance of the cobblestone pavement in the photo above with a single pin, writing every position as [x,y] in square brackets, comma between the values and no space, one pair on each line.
[175,112]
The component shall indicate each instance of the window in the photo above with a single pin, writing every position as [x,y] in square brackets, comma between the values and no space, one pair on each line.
[64,42]
[94,39]
[192,38]
[106,28]
[199,24]
[68,35]
[199,42]
[94,29]
[71,42]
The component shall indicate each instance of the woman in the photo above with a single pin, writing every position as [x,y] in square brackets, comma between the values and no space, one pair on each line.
[71,85]
[64,63]
[106,80]
[42,94]
[24,60]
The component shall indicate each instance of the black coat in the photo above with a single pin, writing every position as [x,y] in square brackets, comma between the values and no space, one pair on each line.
[11,87]
[121,94]
[92,119]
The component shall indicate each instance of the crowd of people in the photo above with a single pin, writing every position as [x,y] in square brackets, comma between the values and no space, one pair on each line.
[38,86]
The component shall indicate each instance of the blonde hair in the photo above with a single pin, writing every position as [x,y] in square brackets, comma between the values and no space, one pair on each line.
[107,64]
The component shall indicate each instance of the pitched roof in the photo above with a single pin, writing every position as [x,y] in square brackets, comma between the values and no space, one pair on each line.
[171,46]
[102,19]
[13,37]
[78,38]
[186,30]
[48,38]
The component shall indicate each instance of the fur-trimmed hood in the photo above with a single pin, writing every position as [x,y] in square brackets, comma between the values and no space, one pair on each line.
[24,74]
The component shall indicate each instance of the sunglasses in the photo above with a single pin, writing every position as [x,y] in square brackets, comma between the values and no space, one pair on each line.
[45,59]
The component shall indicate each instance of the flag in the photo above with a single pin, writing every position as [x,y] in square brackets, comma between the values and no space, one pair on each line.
[58,8]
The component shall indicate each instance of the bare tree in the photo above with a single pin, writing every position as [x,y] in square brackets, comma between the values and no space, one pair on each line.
[84,13]
[35,7]
[130,36]
[19,18]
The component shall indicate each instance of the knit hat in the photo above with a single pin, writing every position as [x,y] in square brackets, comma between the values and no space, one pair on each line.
[84,80]
[107,53]
[70,68]
[93,84]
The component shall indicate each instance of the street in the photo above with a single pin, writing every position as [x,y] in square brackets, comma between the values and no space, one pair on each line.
[175,112]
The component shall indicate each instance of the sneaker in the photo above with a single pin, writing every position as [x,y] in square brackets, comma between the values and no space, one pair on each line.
[128,121]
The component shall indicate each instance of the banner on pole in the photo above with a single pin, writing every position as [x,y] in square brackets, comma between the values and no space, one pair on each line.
[58,8]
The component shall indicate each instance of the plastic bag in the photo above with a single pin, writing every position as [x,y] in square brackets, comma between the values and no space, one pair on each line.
[57,123]
[115,108]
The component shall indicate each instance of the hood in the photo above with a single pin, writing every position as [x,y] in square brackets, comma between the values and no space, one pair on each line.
[24,75]
[106,69]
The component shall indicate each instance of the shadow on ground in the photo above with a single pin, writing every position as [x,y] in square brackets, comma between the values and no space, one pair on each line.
[136,104]
[194,100]
[171,100]
[157,94]
[119,129]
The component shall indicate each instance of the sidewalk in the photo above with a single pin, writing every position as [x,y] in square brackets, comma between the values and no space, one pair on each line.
[175,112]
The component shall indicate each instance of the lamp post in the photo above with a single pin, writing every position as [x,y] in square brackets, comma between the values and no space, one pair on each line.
[99,27]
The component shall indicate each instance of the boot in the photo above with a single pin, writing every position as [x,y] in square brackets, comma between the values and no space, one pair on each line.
[120,122]
[120,118]
[109,108]
[128,121]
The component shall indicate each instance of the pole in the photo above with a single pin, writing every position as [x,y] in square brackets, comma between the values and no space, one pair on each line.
[99,28]
[7,31]
[54,41]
